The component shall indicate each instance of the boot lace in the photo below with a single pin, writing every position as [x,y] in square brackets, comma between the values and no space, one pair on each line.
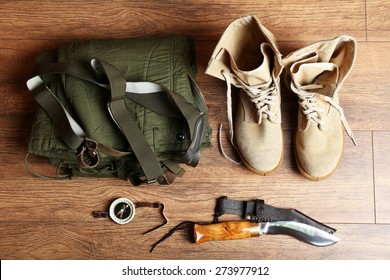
[313,113]
[263,96]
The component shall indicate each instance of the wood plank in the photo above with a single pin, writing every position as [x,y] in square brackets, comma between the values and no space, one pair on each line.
[20,56]
[106,240]
[296,20]
[381,175]
[367,88]
[378,20]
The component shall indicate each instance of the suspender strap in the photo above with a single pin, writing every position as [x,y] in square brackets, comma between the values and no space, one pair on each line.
[70,132]
[117,107]
[171,104]
[148,94]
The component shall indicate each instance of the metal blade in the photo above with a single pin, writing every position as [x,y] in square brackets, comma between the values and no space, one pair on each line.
[300,231]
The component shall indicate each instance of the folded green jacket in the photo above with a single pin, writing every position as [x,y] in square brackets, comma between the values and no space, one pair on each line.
[167,63]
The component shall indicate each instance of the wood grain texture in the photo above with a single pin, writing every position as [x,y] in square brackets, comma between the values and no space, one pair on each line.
[378,20]
[45,219]
[224,231]
[293,20]
[382,175]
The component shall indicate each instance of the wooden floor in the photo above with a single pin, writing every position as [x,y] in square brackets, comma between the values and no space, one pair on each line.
[43,219]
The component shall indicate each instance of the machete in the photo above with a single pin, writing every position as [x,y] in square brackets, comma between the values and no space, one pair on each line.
[246,229]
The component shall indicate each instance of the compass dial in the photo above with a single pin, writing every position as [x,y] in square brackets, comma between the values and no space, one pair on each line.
[122,211]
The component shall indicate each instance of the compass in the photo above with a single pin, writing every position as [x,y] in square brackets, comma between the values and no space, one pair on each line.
[122,211]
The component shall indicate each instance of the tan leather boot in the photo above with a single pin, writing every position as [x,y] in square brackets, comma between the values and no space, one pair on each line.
[247,57]
[316,74]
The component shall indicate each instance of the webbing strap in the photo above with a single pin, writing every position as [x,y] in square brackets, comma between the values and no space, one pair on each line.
[69,130]
[172,104]
[144,154]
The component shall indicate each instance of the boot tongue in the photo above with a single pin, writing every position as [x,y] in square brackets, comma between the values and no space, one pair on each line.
[325,74]
[261,74]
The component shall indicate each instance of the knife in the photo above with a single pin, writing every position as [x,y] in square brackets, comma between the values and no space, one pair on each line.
[246,229]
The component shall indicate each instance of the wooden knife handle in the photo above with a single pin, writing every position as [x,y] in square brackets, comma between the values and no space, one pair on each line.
[225,231]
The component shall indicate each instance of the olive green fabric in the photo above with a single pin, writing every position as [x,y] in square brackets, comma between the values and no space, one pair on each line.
[168,61]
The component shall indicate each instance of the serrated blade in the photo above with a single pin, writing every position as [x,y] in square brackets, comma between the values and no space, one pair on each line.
[300,231]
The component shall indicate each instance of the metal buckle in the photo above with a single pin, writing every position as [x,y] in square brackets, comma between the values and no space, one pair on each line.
[87,155]
[142,180]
